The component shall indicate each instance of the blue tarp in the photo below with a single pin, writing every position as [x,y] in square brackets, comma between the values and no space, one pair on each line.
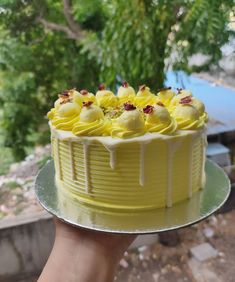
[219,100]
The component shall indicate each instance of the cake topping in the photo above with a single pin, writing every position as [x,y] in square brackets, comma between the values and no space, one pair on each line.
[148,109]
[105,98]
[102,86]
[186,100]
[159,120]
[142,87]
[87,104]
[126,93]
[127,114]
[160,104]
[65,93]
[125,84]
[164,89]
[179,90]
[129,107]
[84,92]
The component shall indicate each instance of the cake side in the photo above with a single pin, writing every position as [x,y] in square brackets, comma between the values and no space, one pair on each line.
[149,172]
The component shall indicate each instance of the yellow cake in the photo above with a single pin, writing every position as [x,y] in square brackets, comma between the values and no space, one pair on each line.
[144,154]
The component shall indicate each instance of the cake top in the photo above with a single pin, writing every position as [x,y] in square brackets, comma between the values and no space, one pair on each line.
[127,114]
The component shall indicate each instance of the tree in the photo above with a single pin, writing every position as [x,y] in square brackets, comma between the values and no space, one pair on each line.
[143,38]
[50,45]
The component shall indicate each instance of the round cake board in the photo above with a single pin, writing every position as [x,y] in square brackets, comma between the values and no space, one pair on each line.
[200,206]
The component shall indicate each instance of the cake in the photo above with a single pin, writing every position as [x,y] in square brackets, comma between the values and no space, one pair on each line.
[128,151]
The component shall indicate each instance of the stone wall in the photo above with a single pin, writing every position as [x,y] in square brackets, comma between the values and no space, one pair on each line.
[25,244]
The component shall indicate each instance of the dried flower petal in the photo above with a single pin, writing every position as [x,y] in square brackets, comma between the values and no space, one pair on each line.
[142,87]
[84,92]
[125,84]
[160,104]
[101,86]
[87,104]
[186,100]
[148,109]
[129,107]
[64,94]
[164,89]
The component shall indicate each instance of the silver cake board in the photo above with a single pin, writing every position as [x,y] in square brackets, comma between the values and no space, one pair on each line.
[200,206]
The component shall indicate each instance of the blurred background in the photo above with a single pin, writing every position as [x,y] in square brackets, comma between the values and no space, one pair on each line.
[47,46]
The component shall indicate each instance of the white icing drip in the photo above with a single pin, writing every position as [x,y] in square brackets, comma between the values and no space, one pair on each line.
[113,158]
[71,160]
[203,175]
[86,165]
[52,146]
[142,164]
[112,154]
[172,147]
[190,188]
[58,154]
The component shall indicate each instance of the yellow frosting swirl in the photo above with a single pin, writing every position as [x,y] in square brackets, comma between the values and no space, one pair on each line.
[187,117]
[159,120]
[87,96]
[129,124]
[176,99]
[100,127]
[92,122]
[125,94]
[144,97]
[65,116]
[106,99]
[165,96]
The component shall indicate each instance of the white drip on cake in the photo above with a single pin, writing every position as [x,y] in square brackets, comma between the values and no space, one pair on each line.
[71,160]
[111,146]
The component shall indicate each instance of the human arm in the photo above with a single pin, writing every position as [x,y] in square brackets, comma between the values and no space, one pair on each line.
[84,256]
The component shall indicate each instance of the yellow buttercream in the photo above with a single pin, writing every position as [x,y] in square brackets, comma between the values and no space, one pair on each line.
[51,113]
[125,94]
[159,120]
[65,117]
[187,117]
[129,124]
[91,113]
[92,122]
[106,98]
[144,97]
[87,96]
[100,127]
[176,99]
[165,96]
[77,97]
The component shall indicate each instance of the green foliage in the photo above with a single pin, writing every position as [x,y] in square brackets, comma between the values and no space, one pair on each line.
[46,46]
[142,38]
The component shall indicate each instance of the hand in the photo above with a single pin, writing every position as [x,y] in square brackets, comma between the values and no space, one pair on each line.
[84,256]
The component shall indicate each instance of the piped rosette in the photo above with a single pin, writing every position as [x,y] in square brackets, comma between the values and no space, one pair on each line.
[87,96]
[125,94]
[165,96]
[144,97]
[158,119]
[92,121]
[129,124]
[177,98]
[65,113]
[187,115]
[105,98]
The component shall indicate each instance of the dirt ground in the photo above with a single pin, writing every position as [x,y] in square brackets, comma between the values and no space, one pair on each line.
[176,264]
